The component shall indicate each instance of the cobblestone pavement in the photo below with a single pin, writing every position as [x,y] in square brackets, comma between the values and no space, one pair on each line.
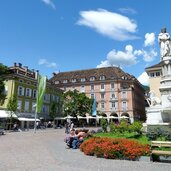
[45,151]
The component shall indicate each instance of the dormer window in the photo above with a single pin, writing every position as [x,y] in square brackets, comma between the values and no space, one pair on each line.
[56,82]
[65,81]
[102,77]
[82,79]
[73,80]
[92,78]
[21,81]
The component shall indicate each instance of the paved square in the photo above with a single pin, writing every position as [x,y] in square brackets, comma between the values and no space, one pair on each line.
[45,151]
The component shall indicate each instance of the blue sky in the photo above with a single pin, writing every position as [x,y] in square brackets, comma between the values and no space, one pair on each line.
[65,35]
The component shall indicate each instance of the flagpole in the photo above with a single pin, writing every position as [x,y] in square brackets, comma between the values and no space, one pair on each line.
[35,116]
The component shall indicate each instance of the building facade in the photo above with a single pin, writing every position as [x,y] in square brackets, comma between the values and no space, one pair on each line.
[155,73]
[117,93]
[22,82]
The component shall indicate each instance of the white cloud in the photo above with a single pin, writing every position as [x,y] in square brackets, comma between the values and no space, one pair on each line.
[110,24]
[50,3]
[144,79]
[149,56]
[121,58]
[47,64]
[127,10]
[149,39]
[103,64]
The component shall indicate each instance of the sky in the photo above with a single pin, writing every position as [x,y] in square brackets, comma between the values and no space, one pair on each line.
[66,35]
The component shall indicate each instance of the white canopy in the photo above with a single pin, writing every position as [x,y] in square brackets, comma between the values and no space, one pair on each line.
[7,114]
[28,119]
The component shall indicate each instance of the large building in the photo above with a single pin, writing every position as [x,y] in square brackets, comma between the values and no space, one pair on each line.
[117,93]
[22,82]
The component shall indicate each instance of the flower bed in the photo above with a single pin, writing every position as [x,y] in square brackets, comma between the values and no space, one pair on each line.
[110,148]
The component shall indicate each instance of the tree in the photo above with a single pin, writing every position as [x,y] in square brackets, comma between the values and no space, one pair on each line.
[12,108]
[76,103]
[53,110]
[3,76]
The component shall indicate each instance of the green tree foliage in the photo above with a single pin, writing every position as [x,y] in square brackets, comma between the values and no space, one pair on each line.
[3,76]
[76,103]
[12,108]
[53,110]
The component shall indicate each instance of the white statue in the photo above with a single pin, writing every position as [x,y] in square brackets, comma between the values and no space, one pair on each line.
[165,43]
[153,100]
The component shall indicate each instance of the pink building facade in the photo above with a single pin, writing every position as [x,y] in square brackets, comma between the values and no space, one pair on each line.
[118,94]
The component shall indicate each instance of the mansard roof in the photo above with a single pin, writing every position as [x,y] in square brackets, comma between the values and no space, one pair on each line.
[110,73]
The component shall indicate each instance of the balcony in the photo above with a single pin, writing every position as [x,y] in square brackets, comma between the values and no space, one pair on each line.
[114,109]
[124,98]
[113,99]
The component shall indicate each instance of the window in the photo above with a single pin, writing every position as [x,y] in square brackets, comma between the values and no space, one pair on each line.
[92,87]
[124,106]
[112,86]
[112,104]
[65,81]
[34,93]
[20,91]
[102,95]
[102,86]
[33,107]
[102,105]
[82,79]
[19,105]
[152,74]
[124,94]
[21,81]
[82,88]
[92,78]
[92,96]
[26,108]
[102,77]
[157,74]
[45,109]
[28,92]
[73,80]
[28,82]
[47,97]
[112,95]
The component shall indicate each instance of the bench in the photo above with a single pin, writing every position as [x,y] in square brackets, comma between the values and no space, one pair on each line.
[164,144]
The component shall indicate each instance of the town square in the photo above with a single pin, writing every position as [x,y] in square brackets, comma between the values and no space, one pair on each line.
[85,86]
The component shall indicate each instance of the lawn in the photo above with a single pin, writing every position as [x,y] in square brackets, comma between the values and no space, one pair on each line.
[141,138]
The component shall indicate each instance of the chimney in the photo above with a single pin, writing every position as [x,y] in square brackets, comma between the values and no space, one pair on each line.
[54,74]
[20,65]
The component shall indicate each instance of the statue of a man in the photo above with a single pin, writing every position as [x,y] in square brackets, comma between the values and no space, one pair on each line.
[165,43]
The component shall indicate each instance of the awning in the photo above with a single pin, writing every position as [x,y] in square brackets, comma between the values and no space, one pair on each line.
[60,118]
[28,119]
[7,114]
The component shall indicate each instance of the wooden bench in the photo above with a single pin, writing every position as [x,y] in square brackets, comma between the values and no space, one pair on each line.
[164,144]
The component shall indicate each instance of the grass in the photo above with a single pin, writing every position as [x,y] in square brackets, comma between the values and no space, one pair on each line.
[141,138]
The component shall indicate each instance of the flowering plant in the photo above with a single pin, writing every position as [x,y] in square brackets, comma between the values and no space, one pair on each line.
[110,148]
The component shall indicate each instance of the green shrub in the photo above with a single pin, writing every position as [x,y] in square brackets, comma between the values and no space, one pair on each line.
[112,127]
[135,127]
[104,124]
